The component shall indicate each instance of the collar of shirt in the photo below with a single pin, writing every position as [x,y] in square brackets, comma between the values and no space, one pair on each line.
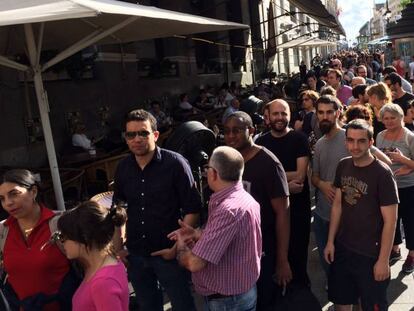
[45,215]
[156,157]
[217,197]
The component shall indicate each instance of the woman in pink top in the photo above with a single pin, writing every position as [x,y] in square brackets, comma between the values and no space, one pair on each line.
[86,233]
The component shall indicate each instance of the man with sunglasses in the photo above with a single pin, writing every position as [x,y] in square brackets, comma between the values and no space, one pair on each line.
[265,179]
[159,189]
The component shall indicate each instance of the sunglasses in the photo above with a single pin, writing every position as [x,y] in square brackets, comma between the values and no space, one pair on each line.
[132,135]
[56,237]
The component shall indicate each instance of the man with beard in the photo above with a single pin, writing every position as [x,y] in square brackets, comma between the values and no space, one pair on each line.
[159,188]
[265,179]
[329,150]
[292,149]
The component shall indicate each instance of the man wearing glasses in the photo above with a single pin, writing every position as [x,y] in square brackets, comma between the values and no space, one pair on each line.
[225,259]
[159,189]
[362,72]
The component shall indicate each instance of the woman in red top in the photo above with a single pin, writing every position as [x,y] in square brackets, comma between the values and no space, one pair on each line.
[35,268]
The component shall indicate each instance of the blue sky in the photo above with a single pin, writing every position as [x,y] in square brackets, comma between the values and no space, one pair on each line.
[354,14]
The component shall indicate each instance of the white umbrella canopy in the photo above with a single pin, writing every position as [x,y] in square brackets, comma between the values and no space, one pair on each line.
[72,25]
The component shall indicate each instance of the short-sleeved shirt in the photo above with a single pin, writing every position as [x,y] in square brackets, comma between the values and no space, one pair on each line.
[157,197]
[265,179]
[32,267]
[231,243]
[288,149]
[403,100]
[406,146]
[328,153]
[107,290]
[364,191]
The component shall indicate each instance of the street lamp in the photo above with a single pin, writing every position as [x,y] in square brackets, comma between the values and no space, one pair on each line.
[387,13]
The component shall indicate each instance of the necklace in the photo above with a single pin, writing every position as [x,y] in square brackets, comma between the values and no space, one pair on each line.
[91,272]
[393,139]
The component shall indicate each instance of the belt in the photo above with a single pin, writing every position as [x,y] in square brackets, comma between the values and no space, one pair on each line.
[217,296]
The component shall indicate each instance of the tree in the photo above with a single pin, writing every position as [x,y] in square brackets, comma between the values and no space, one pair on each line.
[404,3]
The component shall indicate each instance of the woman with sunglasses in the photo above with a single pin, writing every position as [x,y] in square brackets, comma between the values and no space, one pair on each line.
[86,234]
[38,274]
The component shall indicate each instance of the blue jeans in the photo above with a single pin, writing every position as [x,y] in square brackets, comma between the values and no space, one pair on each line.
[148,274]
[321,230]
[241,302]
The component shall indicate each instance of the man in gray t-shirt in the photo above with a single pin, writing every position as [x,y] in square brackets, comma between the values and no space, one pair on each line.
[329,150]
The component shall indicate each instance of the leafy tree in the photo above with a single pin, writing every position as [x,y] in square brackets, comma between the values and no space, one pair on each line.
[404,3]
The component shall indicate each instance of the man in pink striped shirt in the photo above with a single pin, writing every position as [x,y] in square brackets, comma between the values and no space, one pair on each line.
[225,259]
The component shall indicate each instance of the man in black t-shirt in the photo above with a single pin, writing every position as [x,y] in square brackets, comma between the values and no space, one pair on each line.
[362,224]
[265,179]
[399,96]
[292,149]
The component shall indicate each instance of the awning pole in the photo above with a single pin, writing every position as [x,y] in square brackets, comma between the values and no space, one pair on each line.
[44,115]
[4,61]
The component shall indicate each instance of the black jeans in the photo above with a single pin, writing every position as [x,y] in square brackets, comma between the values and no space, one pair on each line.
[406,215]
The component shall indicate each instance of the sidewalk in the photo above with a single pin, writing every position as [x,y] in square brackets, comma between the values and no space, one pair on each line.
[400,290]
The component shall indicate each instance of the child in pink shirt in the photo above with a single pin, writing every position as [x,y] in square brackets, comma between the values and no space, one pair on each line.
[86,233]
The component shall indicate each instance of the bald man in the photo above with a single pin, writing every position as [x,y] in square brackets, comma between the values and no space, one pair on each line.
[292,149]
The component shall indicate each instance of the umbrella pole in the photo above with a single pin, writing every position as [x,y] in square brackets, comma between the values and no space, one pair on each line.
[44,115]
[47,132]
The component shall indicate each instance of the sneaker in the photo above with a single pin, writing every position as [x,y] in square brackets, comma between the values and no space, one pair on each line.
[395,256]
[408,266]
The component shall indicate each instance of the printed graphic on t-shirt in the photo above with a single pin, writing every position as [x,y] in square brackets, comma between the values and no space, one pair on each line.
[353,189]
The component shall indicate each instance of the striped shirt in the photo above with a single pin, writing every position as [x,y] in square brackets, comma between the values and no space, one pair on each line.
[231,243]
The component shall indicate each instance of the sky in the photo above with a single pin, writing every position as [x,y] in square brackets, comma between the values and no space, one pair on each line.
[354,14]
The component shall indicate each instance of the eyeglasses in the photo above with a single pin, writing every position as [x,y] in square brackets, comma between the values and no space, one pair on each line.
[234,130]
[131,135]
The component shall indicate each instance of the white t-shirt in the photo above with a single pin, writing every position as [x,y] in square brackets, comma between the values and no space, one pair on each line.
[185,106]
[80,140]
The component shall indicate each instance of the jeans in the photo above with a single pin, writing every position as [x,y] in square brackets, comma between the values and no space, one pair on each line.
[148,274]
[321,230]
[241,302]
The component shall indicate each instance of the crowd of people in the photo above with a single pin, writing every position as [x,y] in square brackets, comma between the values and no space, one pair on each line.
[344,136]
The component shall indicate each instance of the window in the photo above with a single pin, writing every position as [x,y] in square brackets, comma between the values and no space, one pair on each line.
[296,56]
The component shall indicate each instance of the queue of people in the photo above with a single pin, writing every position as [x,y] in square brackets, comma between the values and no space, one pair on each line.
[356,153]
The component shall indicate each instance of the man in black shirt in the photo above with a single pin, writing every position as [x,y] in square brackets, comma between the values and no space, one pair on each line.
[399,96]
[159,189]
[265,179]
[362,225]
[292,149]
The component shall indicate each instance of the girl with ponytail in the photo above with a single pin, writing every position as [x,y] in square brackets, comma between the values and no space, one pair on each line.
[86,234]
